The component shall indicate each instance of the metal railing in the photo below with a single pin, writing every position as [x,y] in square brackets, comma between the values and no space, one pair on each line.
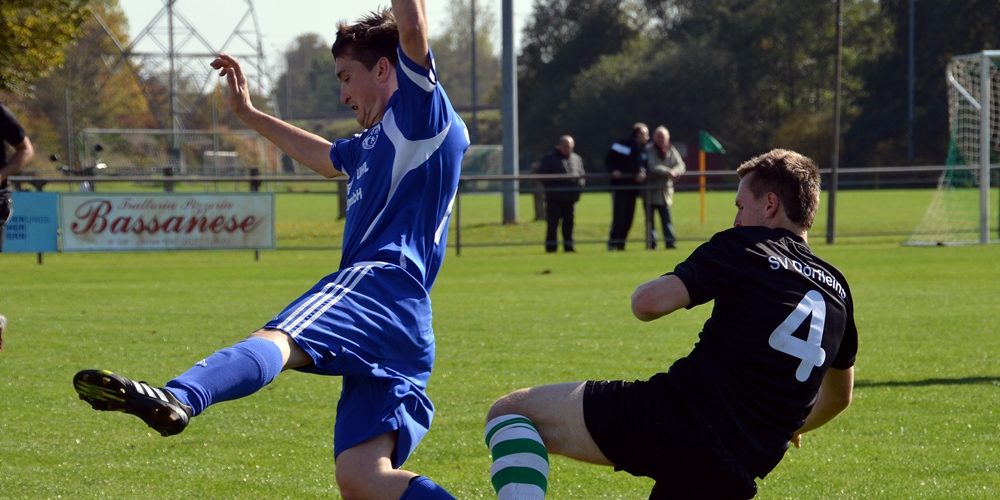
[860,178]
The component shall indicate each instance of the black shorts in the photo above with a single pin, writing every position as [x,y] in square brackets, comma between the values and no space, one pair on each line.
[645,429]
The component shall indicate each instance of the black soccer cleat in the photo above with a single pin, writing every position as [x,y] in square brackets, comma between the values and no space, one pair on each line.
[157,407]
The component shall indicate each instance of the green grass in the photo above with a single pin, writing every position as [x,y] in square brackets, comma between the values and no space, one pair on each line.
[924,423]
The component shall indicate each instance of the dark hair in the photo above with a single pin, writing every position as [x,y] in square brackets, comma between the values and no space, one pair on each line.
[791,176]
[372,37]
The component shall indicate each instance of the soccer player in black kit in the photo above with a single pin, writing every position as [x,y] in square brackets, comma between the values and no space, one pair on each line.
[774,360]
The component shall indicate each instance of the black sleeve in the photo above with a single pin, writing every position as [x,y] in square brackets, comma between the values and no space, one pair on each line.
[848,350]
[11,130]
[711,268]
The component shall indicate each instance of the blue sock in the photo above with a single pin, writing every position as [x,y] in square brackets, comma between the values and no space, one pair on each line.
[422,488]
[230,373]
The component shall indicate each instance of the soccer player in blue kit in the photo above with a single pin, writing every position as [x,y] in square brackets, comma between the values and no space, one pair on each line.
[774,360]
[370,321]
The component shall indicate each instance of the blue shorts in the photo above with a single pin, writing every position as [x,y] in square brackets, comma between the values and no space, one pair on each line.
[371,324]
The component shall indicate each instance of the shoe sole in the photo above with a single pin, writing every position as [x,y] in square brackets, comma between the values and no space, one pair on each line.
[105,391]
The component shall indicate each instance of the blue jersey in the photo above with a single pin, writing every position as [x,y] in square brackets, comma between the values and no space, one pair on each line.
[404,175]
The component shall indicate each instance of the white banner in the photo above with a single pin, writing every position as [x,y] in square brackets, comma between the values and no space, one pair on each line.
[174,221]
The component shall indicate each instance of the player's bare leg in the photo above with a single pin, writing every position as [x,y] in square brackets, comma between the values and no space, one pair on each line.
[523,426]
[557,412]
[365,471]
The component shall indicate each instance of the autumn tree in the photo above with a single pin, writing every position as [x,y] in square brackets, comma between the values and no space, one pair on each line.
[33,35]
[89,90]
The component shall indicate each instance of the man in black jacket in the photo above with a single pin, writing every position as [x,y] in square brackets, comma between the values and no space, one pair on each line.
[561,194]
[626,163]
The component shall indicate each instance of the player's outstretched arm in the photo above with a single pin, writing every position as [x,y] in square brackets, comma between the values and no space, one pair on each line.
[835,393]
[659,297]
[24,151]
[412,22]
[309,149]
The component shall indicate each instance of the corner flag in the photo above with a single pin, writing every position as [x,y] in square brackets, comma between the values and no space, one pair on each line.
[706,144]
[709,144]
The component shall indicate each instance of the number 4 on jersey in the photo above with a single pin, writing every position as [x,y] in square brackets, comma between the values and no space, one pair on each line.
[810,350]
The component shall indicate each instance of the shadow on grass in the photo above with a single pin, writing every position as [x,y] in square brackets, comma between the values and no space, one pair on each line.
[929,381]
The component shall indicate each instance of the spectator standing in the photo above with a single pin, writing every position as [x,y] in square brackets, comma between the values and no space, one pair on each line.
[664,165]
[12,133]
[561,195]
[626,164]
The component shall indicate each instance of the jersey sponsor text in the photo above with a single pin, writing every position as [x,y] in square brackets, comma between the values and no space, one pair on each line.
[808,271]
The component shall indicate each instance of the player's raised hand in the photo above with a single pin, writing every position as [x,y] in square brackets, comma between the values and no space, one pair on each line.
[239,92]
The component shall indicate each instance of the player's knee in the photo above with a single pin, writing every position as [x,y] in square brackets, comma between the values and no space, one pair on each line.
[507,405]
[355,482]
[292,355]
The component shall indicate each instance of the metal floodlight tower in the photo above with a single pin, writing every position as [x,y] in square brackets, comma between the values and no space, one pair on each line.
[170,47]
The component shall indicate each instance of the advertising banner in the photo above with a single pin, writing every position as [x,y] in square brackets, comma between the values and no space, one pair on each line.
[166,221]
[34,227]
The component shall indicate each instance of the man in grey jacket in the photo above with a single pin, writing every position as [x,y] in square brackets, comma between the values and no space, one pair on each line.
[664,165]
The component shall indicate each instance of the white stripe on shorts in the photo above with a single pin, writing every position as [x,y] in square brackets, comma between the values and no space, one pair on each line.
[323,300]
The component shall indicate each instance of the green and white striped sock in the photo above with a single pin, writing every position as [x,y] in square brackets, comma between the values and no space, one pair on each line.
[520,461]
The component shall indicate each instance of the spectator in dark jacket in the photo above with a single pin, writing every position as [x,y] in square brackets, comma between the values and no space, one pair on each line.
[626,163]
[561,195]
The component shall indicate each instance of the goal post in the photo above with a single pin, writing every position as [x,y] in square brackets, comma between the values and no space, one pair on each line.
[959,211]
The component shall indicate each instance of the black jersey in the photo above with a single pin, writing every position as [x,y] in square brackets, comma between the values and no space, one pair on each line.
[12,133]
[782,316]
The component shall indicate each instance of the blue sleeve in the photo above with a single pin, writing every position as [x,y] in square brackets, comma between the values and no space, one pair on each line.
[421,105]
[342,154]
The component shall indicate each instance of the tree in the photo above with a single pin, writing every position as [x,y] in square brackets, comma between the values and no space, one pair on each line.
[759,74]
[772,75]
[309,88]
[943,29]
[453,53]
[33,34]
[562,40]
[675,86]
[87,90]
[723,66]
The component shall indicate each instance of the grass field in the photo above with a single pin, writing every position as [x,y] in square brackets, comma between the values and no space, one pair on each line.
[925,422]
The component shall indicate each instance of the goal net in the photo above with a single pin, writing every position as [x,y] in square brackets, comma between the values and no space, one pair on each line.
[959,209]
